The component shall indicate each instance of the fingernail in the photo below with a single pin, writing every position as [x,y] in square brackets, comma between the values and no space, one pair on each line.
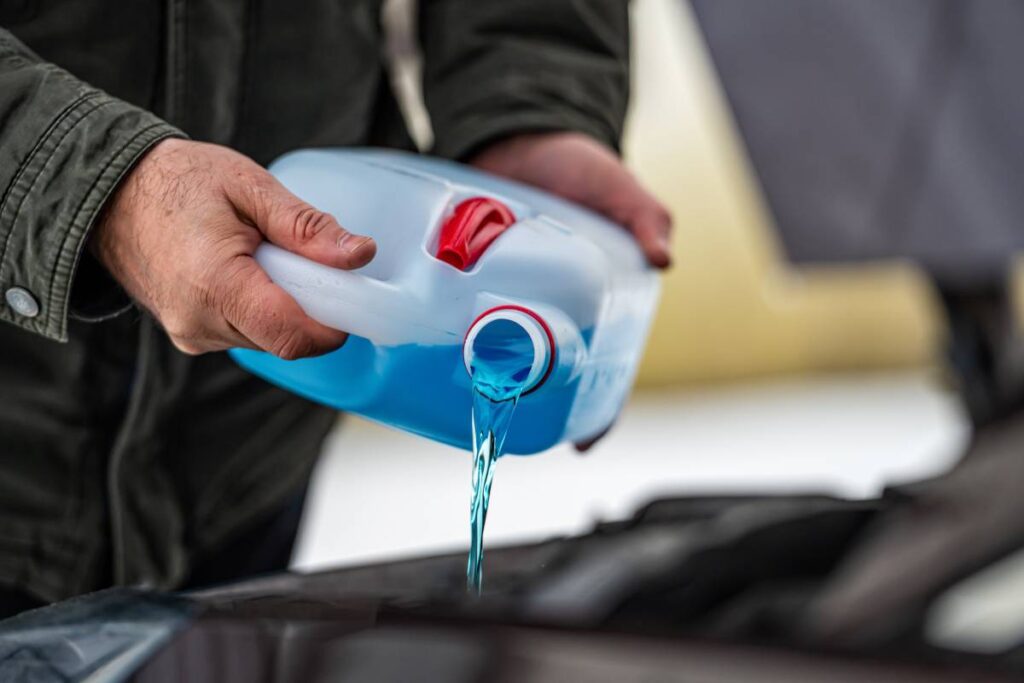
[665,253]
[352,243]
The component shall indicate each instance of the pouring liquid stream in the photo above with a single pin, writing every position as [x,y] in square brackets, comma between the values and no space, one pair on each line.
[501,361]
[491,420]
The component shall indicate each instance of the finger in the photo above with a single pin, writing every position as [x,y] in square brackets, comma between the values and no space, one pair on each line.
[651,225]
[239,340]
[224,336]
[633,207]
[201,346]
[269,318]
[292,224]
[196,332]
[196,347]
[587,444]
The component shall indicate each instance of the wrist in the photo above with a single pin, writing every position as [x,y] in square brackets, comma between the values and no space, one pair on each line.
[121,201]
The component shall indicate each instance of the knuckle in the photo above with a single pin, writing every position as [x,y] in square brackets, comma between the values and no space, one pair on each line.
[254,192]
[308,223]
[232,309]
[243,314]
[183,329]
[251,188]
[230,294]
[177,327]
[290,345]
[186,346]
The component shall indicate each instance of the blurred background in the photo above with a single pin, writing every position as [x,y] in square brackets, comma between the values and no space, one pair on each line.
[759,375]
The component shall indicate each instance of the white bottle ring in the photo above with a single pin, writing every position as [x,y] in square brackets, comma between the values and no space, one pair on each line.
[536,328]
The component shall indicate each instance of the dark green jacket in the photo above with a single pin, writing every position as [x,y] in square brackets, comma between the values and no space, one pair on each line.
[122,460]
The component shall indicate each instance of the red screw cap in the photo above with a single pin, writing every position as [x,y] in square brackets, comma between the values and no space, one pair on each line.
[470,229]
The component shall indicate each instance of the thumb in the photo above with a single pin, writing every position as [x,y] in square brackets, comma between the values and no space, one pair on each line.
[292,224]
[651,225]
[587,444]
[269,319]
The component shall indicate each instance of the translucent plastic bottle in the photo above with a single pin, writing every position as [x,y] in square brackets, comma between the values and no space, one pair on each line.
[464,259]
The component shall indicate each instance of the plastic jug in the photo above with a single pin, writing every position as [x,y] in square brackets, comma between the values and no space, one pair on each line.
[463,258]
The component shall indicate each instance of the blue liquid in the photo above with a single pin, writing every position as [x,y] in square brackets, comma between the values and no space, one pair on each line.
[491,420]
[421,389]
[502,356]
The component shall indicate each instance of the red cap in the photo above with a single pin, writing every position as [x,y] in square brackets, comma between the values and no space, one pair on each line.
[470,229]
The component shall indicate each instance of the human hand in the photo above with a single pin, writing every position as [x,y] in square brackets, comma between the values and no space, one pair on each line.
[582,170]
[179,234]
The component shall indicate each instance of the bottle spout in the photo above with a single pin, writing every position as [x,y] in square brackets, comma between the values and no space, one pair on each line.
[509,351]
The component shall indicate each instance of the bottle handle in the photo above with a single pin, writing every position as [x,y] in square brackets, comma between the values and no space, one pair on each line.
[350,301]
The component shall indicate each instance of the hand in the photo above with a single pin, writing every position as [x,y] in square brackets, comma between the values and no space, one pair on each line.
[179,235]
[582,170]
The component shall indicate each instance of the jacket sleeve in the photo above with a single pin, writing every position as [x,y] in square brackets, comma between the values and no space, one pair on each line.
[493,69]
[63,148]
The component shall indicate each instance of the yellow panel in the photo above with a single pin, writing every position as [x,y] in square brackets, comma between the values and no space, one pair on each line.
[732,307]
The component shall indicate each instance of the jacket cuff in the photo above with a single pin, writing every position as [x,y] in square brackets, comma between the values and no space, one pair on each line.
[95,295]
[492,70]
[56,196]
[462,141]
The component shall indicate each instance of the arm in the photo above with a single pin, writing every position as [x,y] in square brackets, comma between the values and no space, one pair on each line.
[174,222]
[497,69]
[63,148]
[536,90]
